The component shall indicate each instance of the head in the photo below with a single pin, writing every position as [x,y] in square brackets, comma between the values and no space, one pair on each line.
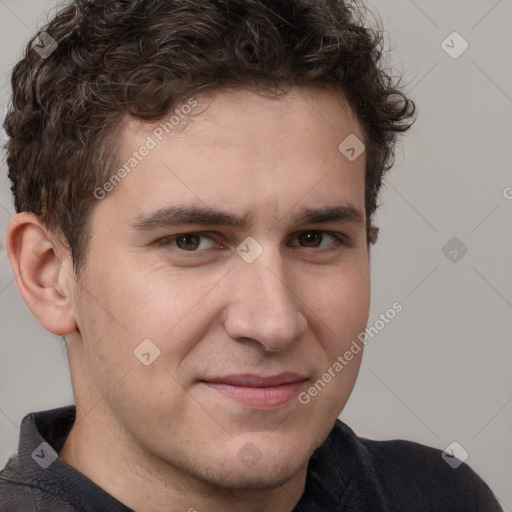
[242,109]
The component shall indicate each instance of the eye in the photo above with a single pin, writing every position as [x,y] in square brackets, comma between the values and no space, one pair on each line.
[190,242]
[195,242]
[314,239]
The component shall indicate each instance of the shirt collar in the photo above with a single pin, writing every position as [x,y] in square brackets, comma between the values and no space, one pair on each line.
[42,436]
[330,481]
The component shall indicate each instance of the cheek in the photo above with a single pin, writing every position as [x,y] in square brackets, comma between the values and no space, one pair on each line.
[342,302]
[126,303]
[342,306]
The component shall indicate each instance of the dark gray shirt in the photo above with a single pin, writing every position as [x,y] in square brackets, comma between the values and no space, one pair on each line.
[347,473]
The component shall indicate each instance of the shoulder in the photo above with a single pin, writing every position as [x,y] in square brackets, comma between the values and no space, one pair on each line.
[27,485]
[409,474]
[15,492]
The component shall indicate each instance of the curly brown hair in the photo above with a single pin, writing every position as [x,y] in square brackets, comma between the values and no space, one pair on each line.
[142,57]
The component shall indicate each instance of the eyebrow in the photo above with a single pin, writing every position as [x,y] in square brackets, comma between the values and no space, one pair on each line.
[178,215]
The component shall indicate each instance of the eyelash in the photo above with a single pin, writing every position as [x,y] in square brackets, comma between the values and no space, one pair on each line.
[169,240]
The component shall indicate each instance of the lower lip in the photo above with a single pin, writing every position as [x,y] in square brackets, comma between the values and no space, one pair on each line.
[258,398]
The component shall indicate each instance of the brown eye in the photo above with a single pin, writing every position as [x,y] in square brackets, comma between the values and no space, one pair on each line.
[318,239]
[188,242]
[311,238]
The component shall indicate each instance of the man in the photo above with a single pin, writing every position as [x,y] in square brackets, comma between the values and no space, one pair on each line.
[195,185]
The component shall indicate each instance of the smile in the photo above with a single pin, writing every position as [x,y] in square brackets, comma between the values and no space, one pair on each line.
[257,391]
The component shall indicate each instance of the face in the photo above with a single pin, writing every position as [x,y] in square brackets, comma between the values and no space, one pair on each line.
[236,248]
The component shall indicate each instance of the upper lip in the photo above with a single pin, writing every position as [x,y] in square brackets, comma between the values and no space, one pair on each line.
[257,381]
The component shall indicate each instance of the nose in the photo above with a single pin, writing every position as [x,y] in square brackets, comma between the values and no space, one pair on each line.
[264,308]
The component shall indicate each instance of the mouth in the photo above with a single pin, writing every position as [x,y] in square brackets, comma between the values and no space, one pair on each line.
[256,391]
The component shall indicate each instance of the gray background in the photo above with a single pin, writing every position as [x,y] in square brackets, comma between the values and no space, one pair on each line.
[440,371]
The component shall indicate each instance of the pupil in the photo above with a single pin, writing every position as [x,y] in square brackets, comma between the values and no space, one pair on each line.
[311,239]
[194,243]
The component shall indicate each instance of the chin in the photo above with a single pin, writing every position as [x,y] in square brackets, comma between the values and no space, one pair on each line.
[262,479]
[229,473]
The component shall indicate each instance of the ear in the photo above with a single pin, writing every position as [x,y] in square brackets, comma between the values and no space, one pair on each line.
[43,272]
[373,234]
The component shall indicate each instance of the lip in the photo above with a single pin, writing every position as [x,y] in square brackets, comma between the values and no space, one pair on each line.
[257,391]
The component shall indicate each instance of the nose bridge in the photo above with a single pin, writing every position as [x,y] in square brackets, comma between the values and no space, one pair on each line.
[264,307]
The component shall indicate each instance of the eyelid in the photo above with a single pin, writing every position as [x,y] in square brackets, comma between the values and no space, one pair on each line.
[206,234]
[339,237]
[168,240]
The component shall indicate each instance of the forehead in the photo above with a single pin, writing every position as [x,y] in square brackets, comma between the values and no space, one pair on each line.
[245,150]
[245,113]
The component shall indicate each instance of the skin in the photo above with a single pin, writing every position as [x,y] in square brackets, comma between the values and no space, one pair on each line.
[156,437]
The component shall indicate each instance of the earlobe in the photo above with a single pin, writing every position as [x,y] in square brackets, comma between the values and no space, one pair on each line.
[43,273]
[373,234]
